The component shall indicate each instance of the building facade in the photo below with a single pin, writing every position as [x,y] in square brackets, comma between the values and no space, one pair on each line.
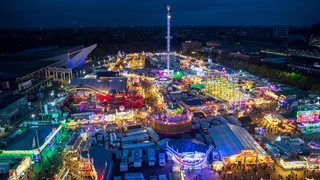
[12,107]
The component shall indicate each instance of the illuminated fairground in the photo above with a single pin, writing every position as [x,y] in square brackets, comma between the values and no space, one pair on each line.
[236,146]
[226,90]
[175,121]
[247,157]
[115,100]
[308,121]
[223,97]
[193,82]
[189,153]
[222,87]
[102,94]
[165,73]
[135,61]
[278,122]
[207,105]
[239,93]
[120,117]
[130,61]
[161,58]
[313,162]
[19,171]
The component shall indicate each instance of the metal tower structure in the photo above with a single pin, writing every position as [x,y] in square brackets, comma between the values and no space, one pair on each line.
[168,37]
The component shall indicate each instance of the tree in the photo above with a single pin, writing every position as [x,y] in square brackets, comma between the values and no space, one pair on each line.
[316,89]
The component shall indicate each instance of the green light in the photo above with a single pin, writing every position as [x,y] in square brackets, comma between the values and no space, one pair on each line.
[197,86]
[178,74]
[30,152]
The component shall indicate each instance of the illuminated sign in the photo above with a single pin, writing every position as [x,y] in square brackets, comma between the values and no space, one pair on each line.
[310,116]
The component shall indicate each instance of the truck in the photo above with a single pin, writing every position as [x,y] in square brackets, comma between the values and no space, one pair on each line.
[162,159]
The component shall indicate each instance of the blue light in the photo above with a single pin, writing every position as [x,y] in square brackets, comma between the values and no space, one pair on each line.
[70,64]
[81,62]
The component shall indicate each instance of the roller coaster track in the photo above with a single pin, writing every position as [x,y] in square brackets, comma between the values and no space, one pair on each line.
[86,88]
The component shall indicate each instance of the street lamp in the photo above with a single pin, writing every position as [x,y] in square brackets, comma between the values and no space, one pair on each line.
[32,117]
[318,100]
[52,94]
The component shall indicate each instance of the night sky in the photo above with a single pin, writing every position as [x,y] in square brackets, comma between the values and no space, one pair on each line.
[76,13]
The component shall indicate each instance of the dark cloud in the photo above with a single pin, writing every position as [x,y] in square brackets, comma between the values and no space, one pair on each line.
[56,13]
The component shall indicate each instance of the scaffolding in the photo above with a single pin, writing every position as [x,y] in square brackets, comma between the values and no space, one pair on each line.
[223,89]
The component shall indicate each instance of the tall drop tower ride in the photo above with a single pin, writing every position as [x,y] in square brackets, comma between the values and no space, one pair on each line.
[168,37]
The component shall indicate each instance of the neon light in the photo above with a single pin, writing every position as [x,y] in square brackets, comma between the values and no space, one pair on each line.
[311,116]
[191,159]
[314,145]
[273,87]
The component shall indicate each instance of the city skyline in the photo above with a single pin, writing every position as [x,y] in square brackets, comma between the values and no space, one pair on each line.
[35,13]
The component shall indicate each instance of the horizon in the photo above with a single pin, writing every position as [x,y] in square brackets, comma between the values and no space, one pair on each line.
[119,13]
[161,26]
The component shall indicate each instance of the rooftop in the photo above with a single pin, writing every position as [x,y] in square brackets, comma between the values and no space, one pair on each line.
[231,139]
[24,141]
[13,69]
[39,53]
[193,102]
[7,100]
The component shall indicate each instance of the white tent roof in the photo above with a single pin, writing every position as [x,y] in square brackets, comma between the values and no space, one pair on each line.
[231,139]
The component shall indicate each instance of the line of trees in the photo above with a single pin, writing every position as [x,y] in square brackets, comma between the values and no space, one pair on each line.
[292,78]
[283,76]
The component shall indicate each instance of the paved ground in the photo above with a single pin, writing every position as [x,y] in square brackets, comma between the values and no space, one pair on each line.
[203,174]
[236,172]
[146,170]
